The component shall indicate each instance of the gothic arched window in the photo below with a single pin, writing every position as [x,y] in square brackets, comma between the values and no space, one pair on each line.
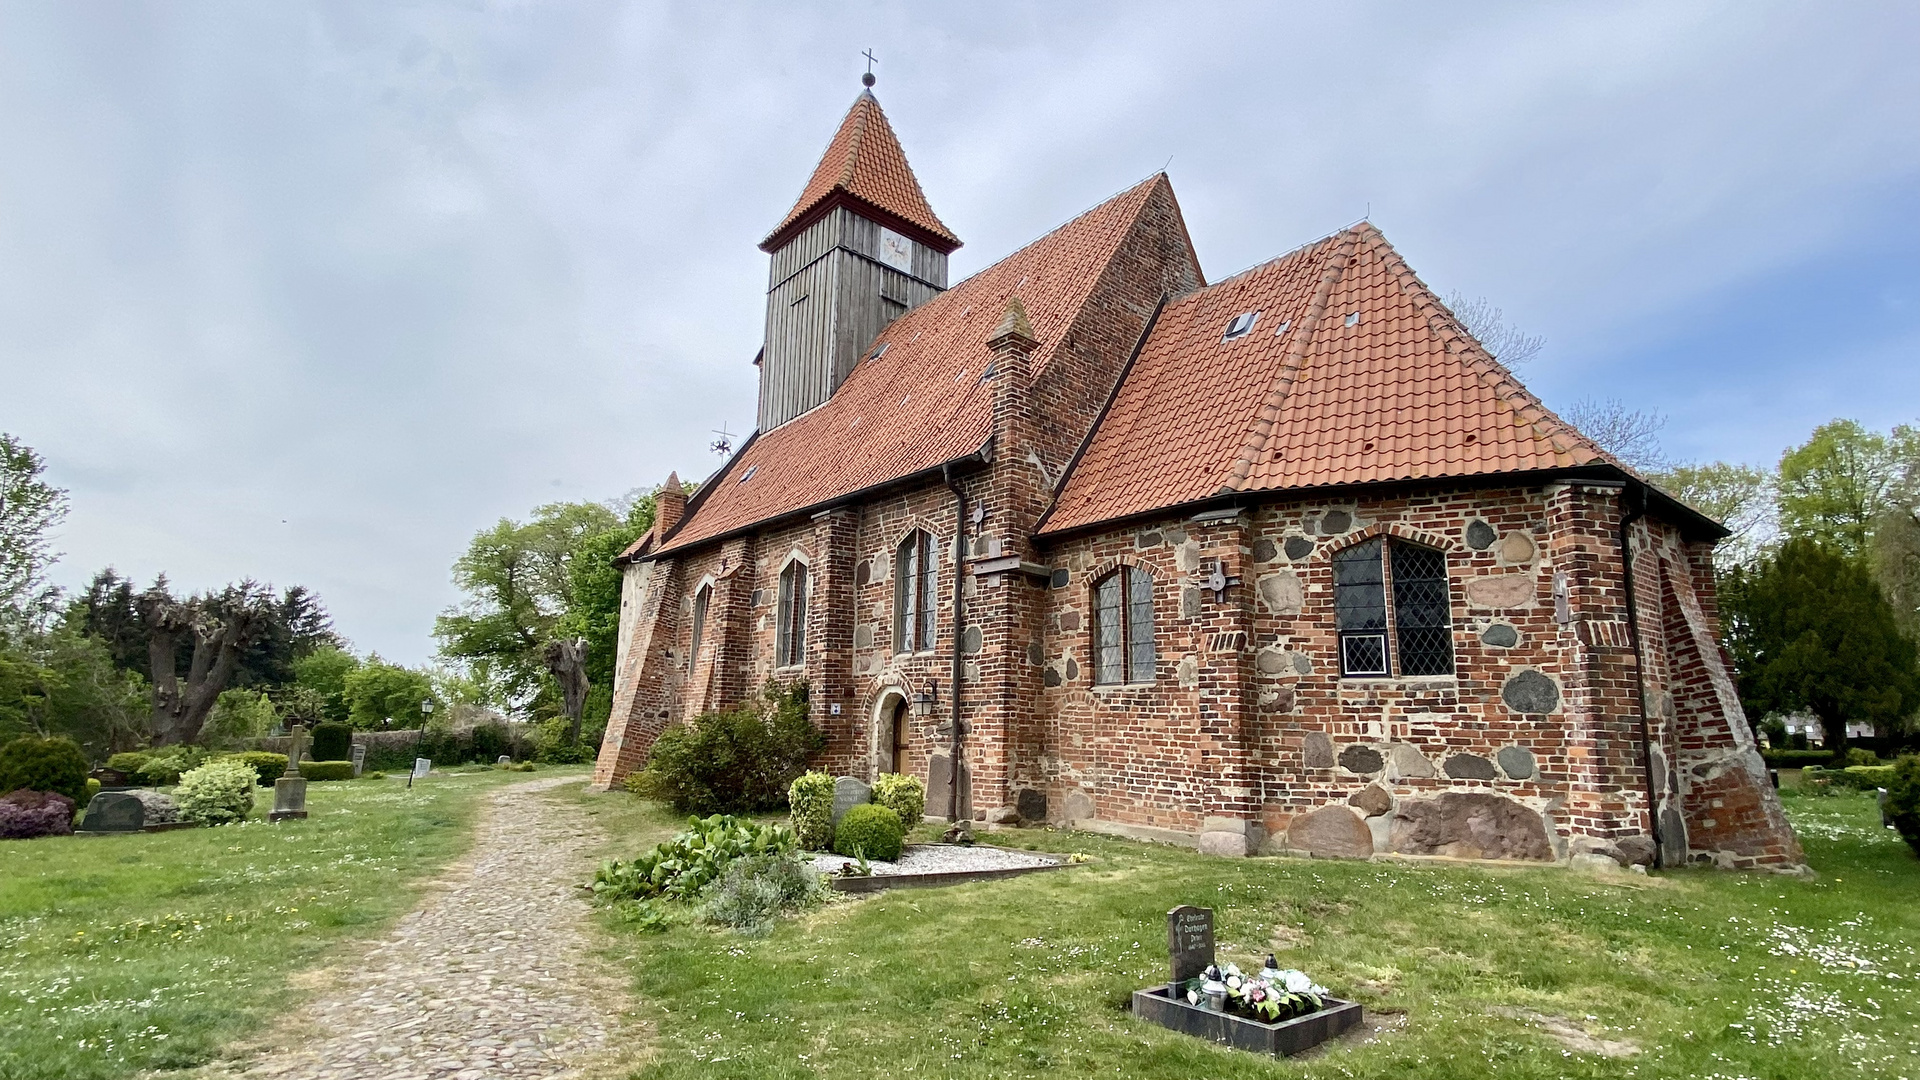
[1420,622]
[1123,648]
[790,634]
[915,592]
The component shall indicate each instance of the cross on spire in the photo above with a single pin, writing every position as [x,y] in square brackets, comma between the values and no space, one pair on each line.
[867,79]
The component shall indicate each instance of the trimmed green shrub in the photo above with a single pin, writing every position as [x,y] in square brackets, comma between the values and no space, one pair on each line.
[871,830]
[1903,799]
[327,770]
[130,762]
[758,889]
[216,793]
[26,815]
[36,764]
[904,795]
[738,761]
[1796,759]
[810,799]
[165,766]
[684,865]
[332,741]
[1860,756]
[93,788]
[268,766]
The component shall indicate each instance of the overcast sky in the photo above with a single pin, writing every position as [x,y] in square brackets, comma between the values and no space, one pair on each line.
[311,293]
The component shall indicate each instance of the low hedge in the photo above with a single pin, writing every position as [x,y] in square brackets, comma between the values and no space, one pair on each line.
[266,765]
[1796,759]
[327,770]
[871,830]
[1860,777]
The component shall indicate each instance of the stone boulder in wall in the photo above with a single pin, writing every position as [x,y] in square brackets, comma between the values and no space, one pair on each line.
[1470,825]
[1331,832]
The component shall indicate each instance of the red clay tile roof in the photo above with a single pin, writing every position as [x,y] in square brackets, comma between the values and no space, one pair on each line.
[1353,373]
[864,160]
[921,402]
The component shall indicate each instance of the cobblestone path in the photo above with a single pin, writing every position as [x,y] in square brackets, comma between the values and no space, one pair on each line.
[491,976]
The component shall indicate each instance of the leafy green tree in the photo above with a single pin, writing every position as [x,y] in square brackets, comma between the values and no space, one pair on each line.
[377,690]
[1835,488]
[30,509]
[1737,496]
[1810,632]
[517,578]
[240,714]
[324,671]
[60,682]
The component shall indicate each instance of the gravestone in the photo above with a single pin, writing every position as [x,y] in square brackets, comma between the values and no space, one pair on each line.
[114,811]
[503,760]
[849,792]
[359,757]
[421,767]
[290,791]
[1189,943]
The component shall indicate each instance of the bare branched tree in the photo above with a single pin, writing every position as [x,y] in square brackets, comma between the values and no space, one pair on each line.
[1632,435]
[219,626]
[1488,325]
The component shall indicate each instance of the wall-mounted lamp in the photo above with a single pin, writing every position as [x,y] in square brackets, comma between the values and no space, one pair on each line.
[925,700]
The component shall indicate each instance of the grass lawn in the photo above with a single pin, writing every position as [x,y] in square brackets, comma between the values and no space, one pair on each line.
[1712,975]
[150,951]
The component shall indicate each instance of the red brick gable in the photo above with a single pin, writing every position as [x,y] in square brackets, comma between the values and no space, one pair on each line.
[865,161]
[921,401]
[1352,373]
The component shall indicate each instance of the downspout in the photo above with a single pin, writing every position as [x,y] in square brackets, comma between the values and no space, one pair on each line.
[1633,507]
[959,629]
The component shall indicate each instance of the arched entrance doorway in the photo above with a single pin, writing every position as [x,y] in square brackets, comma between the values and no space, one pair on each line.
[894,733]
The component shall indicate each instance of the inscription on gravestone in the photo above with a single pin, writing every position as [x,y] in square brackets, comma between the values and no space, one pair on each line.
[1189,942]
[359,757]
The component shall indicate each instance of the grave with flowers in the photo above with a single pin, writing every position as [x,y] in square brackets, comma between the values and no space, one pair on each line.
[1271,1011]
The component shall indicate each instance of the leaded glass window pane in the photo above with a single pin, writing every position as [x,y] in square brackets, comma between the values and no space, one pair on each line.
[790,638]
[1107,654]
[928,606]
[1422,613]
[1359,588]
[1140,653]
[906,594]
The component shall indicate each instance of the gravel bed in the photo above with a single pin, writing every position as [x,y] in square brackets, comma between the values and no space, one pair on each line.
[941,859]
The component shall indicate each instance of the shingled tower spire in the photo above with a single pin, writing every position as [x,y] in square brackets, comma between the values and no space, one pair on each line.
[860,248]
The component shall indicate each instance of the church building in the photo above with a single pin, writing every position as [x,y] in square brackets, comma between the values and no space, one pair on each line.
[1285,562]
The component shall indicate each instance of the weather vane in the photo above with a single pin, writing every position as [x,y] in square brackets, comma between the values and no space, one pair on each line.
[867,79]
[724,444]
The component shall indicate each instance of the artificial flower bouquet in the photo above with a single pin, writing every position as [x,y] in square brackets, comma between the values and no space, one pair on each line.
[1270,996]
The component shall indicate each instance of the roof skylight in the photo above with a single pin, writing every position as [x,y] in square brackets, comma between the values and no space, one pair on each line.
[1240,325]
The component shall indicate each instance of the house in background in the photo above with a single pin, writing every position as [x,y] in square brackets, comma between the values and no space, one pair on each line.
[1285,562]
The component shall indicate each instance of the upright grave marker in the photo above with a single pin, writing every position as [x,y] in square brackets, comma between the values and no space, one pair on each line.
[1189,955]
[1189,943]
[290,791]
[421,767]
[359,757]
